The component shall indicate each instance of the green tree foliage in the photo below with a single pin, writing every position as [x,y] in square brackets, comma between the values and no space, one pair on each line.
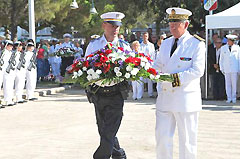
[58,15]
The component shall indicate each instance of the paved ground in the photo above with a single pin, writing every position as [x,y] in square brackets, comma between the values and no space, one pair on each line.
[62,126]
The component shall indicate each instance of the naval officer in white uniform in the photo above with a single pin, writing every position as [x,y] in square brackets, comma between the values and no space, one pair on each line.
[179,103]
[230,66]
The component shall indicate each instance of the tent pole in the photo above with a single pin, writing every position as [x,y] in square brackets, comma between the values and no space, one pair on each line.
[206,68]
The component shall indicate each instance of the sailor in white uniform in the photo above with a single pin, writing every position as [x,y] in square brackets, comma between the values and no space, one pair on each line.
[8,78]
[31,74]
[20,73]
[230,66]
[179,103]
[55,61]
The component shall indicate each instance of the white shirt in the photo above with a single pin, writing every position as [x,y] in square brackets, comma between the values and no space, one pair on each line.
[101,42]
[148,49]
[218,51]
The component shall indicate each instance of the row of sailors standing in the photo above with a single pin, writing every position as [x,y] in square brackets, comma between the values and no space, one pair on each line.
[17,69]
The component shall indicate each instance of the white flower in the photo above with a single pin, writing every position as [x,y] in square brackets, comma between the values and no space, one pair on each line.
[84,68]
[89,77]
[95,76]
[75,75]
[118,74]
[147,66]
[144,59]
[116,69]
[134,71]
[152,76]
[79,73]
[132,54]
[127,75]
[129,68]
[99,72]
[157,76]
[142,64]
[90,71]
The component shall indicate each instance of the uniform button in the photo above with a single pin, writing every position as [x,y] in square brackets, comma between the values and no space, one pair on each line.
[178,66]
[163,65]
[173,91]
[164,89]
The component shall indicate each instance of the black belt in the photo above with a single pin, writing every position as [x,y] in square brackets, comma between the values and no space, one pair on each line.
[109,90]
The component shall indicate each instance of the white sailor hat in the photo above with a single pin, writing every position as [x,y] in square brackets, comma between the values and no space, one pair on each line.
[30,44]
[95,36]
[17,43]
[8,42]
[113,18]
[232,37]
[67,35]
[178,14]
[54,39]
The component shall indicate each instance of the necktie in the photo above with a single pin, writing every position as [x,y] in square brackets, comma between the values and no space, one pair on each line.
[174,47]
[230,47]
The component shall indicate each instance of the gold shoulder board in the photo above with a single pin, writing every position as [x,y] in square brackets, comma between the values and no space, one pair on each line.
[198,37]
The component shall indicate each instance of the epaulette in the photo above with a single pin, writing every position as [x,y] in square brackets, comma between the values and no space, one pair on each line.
[95,39]
[123,41]
[198,37]
[167,37]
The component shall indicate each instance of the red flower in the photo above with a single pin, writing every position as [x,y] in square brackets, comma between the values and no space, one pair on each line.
[91,55]
[86,64]
[137,61]
[106,68]
[98,64]
[108,51]
[149,59]
[152,71]
[141,54]
[120,48]
[103,59]
[129,60]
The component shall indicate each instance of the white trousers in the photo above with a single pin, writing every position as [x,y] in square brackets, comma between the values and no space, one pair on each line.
[231,85]
[187,124]
[150,87]
[56,68]
[31,77]
[8,84]
[20,83]
[137,87]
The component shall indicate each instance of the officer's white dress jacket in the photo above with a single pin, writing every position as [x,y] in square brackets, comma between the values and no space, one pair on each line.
[101,42]
[188,61]
[230,60]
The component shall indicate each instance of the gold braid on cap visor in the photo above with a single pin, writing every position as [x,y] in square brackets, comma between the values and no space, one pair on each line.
[178,16]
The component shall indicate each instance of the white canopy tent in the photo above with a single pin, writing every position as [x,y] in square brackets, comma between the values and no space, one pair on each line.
[227,19]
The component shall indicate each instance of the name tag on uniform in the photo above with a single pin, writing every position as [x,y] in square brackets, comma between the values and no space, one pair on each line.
[185,58]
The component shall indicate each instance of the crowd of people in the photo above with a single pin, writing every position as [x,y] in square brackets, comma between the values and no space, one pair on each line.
[224,67]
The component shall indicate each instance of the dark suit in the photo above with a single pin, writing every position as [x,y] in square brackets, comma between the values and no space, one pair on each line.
[217,77]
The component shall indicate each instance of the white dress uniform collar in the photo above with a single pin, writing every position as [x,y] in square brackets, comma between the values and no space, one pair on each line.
[181,38]
[105,42]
